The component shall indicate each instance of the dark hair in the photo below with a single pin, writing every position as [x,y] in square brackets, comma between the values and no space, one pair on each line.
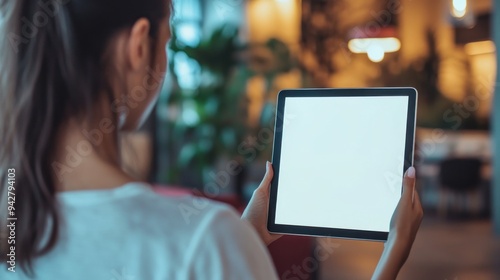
[52,67]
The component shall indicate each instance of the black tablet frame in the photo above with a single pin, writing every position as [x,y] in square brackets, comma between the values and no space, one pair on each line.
[341,92]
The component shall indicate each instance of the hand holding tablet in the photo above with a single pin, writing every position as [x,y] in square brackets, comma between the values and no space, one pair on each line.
[339,157]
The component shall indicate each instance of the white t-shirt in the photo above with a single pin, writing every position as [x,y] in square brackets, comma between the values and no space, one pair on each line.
[131,233]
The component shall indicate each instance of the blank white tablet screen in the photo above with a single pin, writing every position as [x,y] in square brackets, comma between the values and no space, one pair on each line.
[341,161]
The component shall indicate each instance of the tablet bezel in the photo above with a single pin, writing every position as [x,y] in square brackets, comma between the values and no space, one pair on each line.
[272,227]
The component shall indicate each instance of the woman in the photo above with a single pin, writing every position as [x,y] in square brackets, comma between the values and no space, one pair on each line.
[74,74]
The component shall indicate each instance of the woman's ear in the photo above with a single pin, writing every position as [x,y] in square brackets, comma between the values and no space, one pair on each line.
[138,49]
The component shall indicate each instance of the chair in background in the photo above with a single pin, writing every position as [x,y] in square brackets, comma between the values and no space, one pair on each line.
[460,180]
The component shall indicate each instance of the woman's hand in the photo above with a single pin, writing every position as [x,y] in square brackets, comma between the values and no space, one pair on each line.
[408,214]
[403,230]
[257,208]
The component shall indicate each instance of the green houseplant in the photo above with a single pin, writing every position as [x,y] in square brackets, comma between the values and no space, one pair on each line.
[207,121]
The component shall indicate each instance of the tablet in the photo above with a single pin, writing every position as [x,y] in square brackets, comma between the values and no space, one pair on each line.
[339,157]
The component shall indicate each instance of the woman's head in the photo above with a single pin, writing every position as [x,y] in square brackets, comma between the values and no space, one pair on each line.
[82,60]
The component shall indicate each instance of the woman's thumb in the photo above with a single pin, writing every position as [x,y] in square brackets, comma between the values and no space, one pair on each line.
[266,181]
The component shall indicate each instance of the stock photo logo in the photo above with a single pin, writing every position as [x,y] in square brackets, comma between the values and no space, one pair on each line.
[322,251]
[31,26]
[460,112]
[394,178]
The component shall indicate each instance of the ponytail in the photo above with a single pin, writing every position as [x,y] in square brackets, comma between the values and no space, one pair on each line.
[51,69]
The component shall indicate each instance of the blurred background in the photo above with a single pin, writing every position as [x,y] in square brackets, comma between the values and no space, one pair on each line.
[212,130]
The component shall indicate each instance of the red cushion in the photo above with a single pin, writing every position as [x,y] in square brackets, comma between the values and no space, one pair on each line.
[293,257]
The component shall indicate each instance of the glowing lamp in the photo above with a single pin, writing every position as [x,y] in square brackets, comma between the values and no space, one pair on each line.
[375,43]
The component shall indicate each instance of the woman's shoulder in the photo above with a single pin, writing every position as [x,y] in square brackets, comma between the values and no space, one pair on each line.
[188,209]
[138,203]
[189,214]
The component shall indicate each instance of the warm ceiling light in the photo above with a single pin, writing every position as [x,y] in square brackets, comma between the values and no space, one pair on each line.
[362,45]
[482,47]
[459,8]
[374,45]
